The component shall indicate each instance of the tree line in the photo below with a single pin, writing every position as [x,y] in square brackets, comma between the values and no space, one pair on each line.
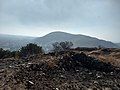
[32,49]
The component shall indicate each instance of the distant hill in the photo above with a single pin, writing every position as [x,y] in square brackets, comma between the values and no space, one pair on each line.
[118,44]
[13,42]
[78,40]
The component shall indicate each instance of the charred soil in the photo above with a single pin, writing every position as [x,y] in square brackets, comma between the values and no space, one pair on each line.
[70,70]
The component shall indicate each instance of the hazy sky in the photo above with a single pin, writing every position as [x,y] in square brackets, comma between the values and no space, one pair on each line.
[97,18]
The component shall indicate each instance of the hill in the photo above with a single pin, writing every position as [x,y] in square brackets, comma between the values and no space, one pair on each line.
[13,42]
[118,44]
[78,40]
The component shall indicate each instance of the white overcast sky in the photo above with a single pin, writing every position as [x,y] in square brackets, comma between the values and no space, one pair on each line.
[97,18]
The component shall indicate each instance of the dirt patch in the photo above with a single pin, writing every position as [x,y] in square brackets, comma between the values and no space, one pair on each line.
[66,71]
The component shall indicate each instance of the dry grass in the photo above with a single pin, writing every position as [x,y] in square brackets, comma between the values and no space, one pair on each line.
[113,57]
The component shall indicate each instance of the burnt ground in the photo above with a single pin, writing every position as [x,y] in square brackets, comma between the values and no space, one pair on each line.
[71,70]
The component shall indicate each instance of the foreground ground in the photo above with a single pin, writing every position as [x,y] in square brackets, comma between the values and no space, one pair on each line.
[97,69]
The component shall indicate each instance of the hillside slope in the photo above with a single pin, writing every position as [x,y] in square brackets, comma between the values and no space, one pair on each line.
[78,40]
[118,44]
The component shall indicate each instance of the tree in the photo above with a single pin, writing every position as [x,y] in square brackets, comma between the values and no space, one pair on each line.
[62,46]
[66,45]
[30,49]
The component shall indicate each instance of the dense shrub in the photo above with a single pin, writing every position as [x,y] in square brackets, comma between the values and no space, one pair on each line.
[30,49]
[5,53]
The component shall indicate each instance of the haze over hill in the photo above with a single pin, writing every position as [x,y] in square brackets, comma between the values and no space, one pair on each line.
[13,42]
[78,40]
[118,44]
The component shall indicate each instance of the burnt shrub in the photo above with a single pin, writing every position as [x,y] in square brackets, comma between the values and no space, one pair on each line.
[62,46]
[30,49]
[5,54]
[77,60]
[85,49]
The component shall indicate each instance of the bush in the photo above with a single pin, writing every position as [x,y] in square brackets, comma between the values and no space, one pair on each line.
[5,53]
[30,49]
[62,46]
[15,54]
